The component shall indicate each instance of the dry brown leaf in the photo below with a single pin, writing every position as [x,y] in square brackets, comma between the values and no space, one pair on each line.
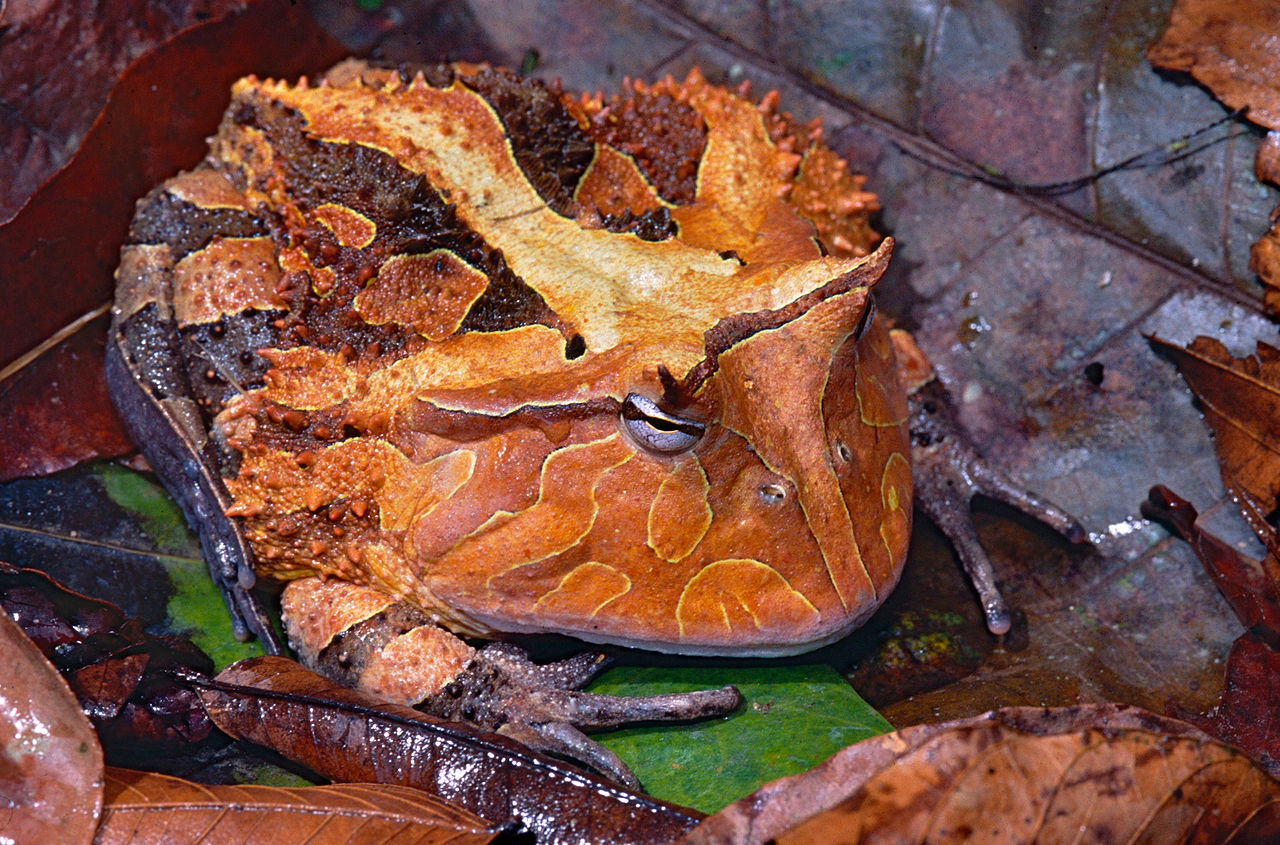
[1097,773]
[50,760]
[1229,47]
[142,807]
[347,735]
[1240,398]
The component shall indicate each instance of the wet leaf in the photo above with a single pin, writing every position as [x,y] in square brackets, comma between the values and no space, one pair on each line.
[1053,776]
[51,766]
[793,717]
[1249,585]
[54,408]
[1230,49]
[120,674]
[50,103]
[143,807]
[103,530]
[1247,715]
[350,736]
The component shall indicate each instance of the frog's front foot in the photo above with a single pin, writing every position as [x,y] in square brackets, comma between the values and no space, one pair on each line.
[363,638]
[949,472]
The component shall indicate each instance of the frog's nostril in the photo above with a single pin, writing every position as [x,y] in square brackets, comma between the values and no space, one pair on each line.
[842,451]
[773,494]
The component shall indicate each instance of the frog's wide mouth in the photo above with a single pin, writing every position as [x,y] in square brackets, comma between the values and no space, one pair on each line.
[778,641]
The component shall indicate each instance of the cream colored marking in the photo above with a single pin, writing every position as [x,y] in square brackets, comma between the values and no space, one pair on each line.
[308,379]
[889,497]
[680,515]
[591,570]
[605,165]
[206,188]
[409,290]
[588,276]
[739,154]
[717,580]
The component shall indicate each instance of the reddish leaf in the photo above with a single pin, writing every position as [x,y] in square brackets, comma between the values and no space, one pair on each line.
[54,408]
[1229,47]
[49,102]
[142,807]
[350,736]
[1240,398]
[1101,773]
[1249,585]
[51,765]
[118,672]
[1249,715]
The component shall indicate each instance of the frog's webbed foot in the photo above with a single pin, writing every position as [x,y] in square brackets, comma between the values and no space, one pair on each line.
[365,639]
[540,705]
[949,472]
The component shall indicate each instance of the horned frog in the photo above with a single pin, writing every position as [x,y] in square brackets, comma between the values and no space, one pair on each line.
[456,354]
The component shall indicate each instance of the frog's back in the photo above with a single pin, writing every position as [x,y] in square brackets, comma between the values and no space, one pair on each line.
[536,362]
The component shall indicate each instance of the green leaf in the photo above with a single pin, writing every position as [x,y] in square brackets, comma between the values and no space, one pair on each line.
[794,717]
[196,608]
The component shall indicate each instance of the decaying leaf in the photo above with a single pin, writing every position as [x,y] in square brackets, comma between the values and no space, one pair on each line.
[1240,398]
[54,409]
[1248,716]
[49,102]
[142,808]
[346,735]
[1095,773]
[51,763]
[1229,47]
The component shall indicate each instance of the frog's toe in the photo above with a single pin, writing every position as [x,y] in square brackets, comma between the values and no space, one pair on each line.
[570,674]
[539,706]
[363,638]
[566,741]
[949,472]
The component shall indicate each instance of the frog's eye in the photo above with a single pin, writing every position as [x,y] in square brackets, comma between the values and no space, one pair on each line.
[655,430]
[864,322]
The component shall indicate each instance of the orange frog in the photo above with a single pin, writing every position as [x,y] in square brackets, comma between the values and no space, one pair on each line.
[456,354]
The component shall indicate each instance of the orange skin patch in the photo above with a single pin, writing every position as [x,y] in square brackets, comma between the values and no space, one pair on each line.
[430,292]
[228,276]
[349,226]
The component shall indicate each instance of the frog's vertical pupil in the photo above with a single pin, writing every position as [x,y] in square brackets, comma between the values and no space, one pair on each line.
[575,347]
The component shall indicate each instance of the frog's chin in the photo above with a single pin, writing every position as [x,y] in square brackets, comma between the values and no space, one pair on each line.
[777,644]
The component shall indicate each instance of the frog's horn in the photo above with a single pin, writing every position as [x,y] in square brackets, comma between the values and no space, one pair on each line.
[848,275]
[812,387]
